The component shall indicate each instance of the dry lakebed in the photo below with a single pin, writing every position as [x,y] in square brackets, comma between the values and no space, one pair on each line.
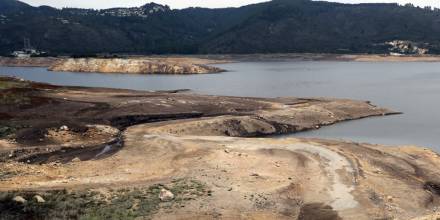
[87,153]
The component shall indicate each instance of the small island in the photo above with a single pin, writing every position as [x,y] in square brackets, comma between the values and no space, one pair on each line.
[136,65]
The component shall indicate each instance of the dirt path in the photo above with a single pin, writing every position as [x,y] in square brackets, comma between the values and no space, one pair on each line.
[334,164]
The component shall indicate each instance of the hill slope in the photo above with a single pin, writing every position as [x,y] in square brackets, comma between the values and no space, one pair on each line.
[12,5]
[277,26]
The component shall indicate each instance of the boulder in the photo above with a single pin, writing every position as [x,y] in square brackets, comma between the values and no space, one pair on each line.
[76,159]
[39,199]
[64,128]
[166,195]
[19,199]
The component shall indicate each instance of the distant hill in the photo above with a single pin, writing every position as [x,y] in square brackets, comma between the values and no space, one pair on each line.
[271,27]
[12,5]
[305,26]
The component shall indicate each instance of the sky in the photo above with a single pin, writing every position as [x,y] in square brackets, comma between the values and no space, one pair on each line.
[99,4]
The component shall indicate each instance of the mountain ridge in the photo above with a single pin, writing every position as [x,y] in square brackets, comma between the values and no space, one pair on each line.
[278,26]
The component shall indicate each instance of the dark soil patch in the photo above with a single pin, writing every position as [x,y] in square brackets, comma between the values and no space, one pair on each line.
[5,131]
[433,187]
[5,174]
[7,83]
[314,211]
[36,85]
[122,122]
[23,98]
[5,116]
[36,134]
[31,135]
[374,197]
[66,155]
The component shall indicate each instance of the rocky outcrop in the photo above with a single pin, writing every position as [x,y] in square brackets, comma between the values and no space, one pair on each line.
[132,65]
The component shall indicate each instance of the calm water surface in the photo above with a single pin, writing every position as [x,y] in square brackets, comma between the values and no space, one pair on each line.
[413,88]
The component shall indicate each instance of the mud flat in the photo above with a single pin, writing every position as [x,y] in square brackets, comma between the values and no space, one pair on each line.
[107,153]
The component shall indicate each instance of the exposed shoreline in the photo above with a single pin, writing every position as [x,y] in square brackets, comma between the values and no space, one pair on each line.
[112,141]
[28,62]
[195,63]
[322,57]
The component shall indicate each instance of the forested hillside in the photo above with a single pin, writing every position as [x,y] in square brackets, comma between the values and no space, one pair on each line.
[271,27]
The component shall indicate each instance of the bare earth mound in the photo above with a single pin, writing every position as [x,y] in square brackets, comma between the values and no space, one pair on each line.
[171,155]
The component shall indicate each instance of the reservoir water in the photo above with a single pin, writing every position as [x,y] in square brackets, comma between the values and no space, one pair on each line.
[412,88]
